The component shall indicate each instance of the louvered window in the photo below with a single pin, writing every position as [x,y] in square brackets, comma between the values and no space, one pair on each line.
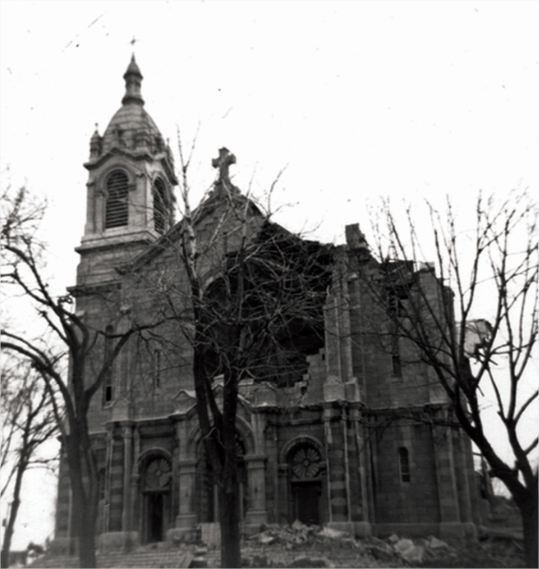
[159,205]
[117,206]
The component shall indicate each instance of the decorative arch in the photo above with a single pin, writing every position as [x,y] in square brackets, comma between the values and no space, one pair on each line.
[122,166]
[147,455]
[285,454]
[242,426]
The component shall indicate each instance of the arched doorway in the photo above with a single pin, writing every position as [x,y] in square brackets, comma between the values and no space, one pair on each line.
[305,468]
[156,487]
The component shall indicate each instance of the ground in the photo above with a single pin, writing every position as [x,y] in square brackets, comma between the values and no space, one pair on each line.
[279,546]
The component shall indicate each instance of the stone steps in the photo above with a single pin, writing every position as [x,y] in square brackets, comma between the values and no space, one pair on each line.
[151,559]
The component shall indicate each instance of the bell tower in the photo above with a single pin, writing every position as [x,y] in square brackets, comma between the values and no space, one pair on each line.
[130,200]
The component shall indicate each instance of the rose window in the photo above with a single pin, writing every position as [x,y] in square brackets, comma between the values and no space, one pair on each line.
[158,474]
[306,462]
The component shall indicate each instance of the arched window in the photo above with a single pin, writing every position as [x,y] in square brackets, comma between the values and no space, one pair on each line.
[116,214]
[107,384]
[159,205]
[404,464]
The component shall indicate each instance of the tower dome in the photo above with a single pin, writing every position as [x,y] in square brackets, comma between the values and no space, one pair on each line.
[132,129]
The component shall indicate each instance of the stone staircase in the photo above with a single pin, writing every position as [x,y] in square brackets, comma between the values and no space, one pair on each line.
[141,557]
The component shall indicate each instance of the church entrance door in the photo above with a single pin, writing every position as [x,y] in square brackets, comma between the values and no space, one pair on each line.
[306,496]
[306,468]
[156,499]
[154,517]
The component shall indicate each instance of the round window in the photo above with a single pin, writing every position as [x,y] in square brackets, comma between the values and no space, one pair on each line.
[158,474]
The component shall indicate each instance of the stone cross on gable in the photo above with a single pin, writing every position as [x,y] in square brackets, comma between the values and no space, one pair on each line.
[223,162]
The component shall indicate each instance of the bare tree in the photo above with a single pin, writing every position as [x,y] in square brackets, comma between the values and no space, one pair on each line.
[248,299]
[90,349]
[27,423]
[439,318]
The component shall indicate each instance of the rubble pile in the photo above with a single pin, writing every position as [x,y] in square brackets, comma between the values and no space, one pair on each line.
[371,551]
[299,534]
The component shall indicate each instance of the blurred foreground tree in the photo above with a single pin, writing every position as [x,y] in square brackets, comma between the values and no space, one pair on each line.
[27,422]
[472,316]
[65,336]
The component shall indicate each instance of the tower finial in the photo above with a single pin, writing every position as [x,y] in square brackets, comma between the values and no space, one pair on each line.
[133,80]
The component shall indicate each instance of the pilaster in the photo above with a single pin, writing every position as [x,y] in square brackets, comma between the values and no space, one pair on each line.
[186,519]
[127,517]
[336,464]
[450,523]
[256,473]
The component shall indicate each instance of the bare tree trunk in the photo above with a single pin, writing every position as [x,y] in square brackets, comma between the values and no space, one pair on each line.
[229,514]
[86,534]
[8,534]
[528,510]
[83,522]
[83,510]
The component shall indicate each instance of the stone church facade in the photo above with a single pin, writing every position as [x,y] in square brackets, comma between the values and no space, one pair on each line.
[347,445]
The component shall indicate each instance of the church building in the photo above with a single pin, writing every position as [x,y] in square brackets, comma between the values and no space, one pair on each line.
[351,438]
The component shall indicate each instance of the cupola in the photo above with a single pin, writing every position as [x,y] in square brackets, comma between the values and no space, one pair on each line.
[130,201]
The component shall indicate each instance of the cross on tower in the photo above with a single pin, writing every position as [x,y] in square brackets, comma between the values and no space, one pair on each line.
[223,162]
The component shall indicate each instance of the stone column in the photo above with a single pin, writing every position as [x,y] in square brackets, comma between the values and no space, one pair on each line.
[98,207]
[328,439]
[332,336]
[187,518]
[108,475]
[450,525]
[336,472]
[91,202]
[345,326]
[283,505]
[135,508]
[463,488]
[256,513]
[363,527]
[127,517]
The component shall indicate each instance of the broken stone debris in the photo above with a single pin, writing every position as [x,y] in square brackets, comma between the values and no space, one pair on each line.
[409,551]
[435,543]
[393,548]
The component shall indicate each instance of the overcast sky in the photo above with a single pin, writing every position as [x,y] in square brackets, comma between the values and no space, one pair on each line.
[356,99]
